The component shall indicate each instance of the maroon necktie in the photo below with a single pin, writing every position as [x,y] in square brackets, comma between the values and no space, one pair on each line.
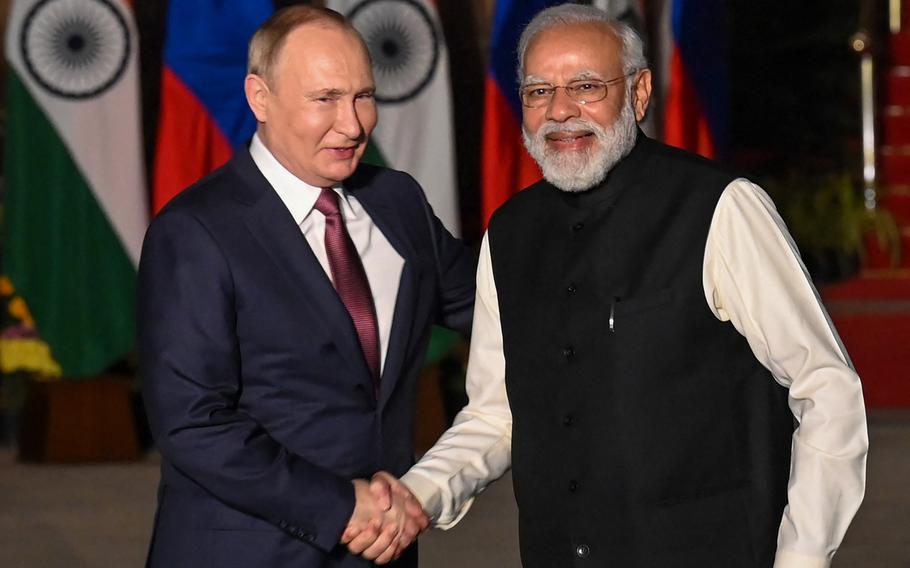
[350,280]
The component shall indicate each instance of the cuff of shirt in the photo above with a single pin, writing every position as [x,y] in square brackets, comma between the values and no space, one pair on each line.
[791,559]
[430,498]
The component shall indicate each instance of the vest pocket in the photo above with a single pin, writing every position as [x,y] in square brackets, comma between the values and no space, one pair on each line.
[641,303]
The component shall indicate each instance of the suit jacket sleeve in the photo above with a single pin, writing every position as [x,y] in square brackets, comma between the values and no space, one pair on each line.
[190,366]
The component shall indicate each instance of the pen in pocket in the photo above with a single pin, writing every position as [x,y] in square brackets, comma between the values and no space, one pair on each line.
[612,321]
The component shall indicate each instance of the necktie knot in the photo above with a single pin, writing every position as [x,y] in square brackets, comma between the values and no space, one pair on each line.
[327,203]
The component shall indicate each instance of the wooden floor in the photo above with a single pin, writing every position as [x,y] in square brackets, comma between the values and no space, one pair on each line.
[99,515]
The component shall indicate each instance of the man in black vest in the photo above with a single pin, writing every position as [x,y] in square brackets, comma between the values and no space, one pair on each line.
[644,336]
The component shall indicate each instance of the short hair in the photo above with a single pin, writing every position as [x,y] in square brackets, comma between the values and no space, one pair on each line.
[267,42]
[633,53]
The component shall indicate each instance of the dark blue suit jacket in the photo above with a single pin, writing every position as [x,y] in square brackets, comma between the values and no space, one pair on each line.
[256,388]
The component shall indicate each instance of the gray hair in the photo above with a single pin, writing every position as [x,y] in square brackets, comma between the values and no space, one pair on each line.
[632,57]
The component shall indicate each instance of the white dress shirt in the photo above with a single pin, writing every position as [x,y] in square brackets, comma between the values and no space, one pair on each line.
[753,278]
[381,262]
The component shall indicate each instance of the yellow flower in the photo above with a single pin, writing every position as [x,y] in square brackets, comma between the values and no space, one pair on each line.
[28,354]
[6,286]
[19,310]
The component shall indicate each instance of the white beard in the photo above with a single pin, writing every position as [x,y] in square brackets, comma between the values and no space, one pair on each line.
[575,171]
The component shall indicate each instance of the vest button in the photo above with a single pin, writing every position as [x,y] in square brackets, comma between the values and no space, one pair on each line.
[568,352]
[582,551]
[573,486]
[571,289]
[568,419]
[578,226]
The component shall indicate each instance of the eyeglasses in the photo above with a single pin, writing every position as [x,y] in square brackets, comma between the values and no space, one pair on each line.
[582,91]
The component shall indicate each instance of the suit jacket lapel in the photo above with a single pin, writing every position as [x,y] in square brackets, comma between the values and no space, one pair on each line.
[387,219]
[272,225]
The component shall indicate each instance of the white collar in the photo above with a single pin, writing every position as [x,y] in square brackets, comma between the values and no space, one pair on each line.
[298,196]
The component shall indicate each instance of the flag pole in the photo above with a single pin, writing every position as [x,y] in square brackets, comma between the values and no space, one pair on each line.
[861,43]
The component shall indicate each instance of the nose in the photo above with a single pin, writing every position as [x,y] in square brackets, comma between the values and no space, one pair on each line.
[348,121]
[561,107]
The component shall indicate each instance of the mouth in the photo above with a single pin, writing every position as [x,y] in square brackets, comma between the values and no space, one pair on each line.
[570,140]
[343,152]
[570,136]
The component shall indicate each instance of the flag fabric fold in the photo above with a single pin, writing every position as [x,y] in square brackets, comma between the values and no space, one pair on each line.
[75,205]
[413,94]
[204,116]
[694,77]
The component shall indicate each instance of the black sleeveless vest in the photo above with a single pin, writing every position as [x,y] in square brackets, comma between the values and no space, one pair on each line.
[645,432]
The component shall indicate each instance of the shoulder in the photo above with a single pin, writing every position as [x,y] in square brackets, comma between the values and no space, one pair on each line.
[668,162]
[212,193]
[537,197]
[220,197]
[385,180]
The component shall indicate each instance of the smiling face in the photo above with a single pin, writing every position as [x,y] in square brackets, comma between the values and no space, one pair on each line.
[577,144]
[317,112]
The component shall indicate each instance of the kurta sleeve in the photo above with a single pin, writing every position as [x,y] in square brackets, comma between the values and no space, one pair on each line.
[753,277]
[476,450]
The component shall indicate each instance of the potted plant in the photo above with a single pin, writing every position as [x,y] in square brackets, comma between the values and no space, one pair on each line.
[831,224]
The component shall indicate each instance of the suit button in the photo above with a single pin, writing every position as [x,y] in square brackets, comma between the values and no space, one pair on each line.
[568,419]
[578,226]
[582,551]
[568,352]
[571,288]
[573,486]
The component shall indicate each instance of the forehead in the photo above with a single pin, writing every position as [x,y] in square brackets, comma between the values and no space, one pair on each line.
[566,51]
[324,54]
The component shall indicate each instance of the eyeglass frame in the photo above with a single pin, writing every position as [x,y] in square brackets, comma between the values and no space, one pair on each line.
[569,92]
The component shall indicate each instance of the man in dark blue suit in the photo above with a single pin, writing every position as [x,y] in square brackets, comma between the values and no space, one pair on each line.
[285,304]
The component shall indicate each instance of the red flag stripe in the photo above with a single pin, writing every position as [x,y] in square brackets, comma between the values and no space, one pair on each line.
[685,124]
[506,167]
[189,145]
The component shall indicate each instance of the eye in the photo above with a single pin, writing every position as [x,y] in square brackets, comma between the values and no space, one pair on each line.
[365,97]
[584,87]
[539,91]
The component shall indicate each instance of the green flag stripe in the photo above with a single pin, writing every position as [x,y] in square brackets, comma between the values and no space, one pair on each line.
[60,250]
[373,155]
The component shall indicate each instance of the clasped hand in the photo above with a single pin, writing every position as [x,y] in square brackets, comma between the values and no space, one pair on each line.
[387,518]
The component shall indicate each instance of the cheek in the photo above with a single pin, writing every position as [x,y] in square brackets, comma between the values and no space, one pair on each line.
[605,117]
[311,127]
[532,119]
[368,118]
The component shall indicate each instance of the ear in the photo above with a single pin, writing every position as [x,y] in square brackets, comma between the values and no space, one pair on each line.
[257,96]
[641,94]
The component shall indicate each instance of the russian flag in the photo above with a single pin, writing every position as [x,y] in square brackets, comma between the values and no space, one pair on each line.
[506,167]
[695,93]
[204,115]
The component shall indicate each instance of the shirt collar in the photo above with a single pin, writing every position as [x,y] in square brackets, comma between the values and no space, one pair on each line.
[297,195]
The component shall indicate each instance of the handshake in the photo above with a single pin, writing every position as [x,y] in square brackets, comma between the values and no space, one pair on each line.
[387,518]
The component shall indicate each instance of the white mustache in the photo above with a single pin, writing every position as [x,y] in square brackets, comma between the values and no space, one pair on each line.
[574,125]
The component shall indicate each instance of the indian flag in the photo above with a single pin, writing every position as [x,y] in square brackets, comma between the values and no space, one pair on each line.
[75,206]
[413,93]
